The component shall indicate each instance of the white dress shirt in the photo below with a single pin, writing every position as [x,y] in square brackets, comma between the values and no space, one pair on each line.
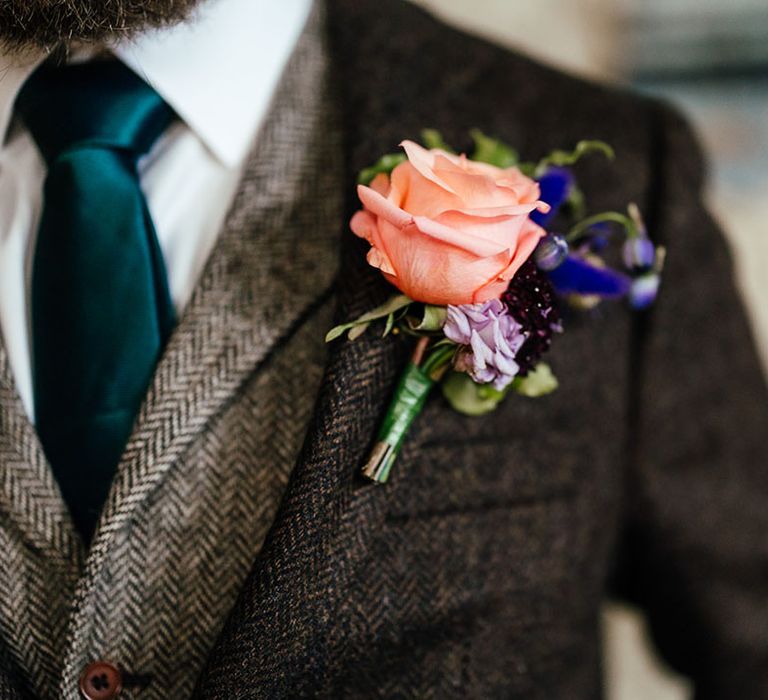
[218,71]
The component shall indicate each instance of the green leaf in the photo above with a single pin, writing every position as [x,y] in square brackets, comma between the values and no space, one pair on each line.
[527,169]
[432,318]
[356,331]
[388,327]
[357,327]
[386,164]
[468,397]
[432,138]
[560,158]
[493,151]
[538,382]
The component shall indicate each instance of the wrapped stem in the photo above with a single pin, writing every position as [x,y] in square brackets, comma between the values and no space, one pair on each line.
[407,403]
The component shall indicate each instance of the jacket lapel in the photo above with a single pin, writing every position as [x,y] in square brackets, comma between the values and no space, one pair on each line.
[323,529]
[303,568]
[298,577]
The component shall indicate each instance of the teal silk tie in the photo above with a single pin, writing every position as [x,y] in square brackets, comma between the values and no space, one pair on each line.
[101,312]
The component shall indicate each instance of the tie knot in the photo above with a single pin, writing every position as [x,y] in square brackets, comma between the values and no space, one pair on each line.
[94,104]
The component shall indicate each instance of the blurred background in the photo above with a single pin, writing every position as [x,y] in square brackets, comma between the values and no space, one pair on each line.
[711,59]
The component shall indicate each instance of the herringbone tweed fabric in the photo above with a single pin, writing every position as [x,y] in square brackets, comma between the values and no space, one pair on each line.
[204,472]
[40,553]
[479,570]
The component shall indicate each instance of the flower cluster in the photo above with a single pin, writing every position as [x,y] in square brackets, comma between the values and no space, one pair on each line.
[486,252]
[503,338]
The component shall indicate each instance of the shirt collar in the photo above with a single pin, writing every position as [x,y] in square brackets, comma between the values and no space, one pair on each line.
[218,71]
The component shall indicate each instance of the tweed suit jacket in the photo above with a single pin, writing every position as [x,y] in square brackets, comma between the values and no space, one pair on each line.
[479,570]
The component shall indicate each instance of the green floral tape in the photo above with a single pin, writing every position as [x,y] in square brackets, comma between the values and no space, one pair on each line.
[407,404]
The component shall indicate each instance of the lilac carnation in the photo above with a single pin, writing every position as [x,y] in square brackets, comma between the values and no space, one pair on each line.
[491,338]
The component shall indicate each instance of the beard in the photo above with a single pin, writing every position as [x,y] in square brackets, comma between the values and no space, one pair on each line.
[57,24]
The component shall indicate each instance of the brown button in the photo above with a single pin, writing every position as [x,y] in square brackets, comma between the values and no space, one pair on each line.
[100,681]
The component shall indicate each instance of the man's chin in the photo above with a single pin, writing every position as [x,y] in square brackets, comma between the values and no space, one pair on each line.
[39,24]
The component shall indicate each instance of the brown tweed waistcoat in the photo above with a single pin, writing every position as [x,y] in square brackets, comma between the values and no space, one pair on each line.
[479,570]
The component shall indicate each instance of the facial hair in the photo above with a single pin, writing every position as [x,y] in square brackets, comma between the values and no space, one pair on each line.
[57,24]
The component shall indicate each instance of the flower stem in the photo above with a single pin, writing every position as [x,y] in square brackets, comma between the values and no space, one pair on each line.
[418,353]
[438,361]
[421,374]
[407,404]
[603,217]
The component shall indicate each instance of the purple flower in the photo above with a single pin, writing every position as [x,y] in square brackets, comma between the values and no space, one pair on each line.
[644,290]
[639,253]
[555,187]
[577,275]
[491,338]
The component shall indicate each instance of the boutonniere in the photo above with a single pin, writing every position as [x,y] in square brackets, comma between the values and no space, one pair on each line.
[482,274]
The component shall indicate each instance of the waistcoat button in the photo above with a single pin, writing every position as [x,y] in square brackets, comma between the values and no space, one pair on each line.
[100,680]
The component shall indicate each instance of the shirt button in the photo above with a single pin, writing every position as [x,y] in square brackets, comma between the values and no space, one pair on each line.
[100,681]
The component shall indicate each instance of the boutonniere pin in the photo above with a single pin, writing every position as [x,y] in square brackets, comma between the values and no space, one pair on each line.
[481,272]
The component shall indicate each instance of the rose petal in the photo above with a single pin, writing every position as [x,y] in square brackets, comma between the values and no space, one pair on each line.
[364,225]
[503,210]
[379,205]
[380,184]
[430,271]
[475,189]
[377,258]
[424,161]
[417,195]
[458,238]
[503,231]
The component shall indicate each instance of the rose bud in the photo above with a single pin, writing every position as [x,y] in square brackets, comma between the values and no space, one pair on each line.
[446,230]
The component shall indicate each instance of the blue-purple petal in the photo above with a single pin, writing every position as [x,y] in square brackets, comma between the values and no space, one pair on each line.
[555,185]
[578,276]
[644,290]
[638,253]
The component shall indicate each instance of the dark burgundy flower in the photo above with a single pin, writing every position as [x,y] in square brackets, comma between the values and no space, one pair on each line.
[531,300]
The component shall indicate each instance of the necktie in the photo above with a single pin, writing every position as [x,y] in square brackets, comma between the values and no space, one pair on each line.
[100,307]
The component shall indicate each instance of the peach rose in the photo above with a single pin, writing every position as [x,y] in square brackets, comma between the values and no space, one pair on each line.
[447,230]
